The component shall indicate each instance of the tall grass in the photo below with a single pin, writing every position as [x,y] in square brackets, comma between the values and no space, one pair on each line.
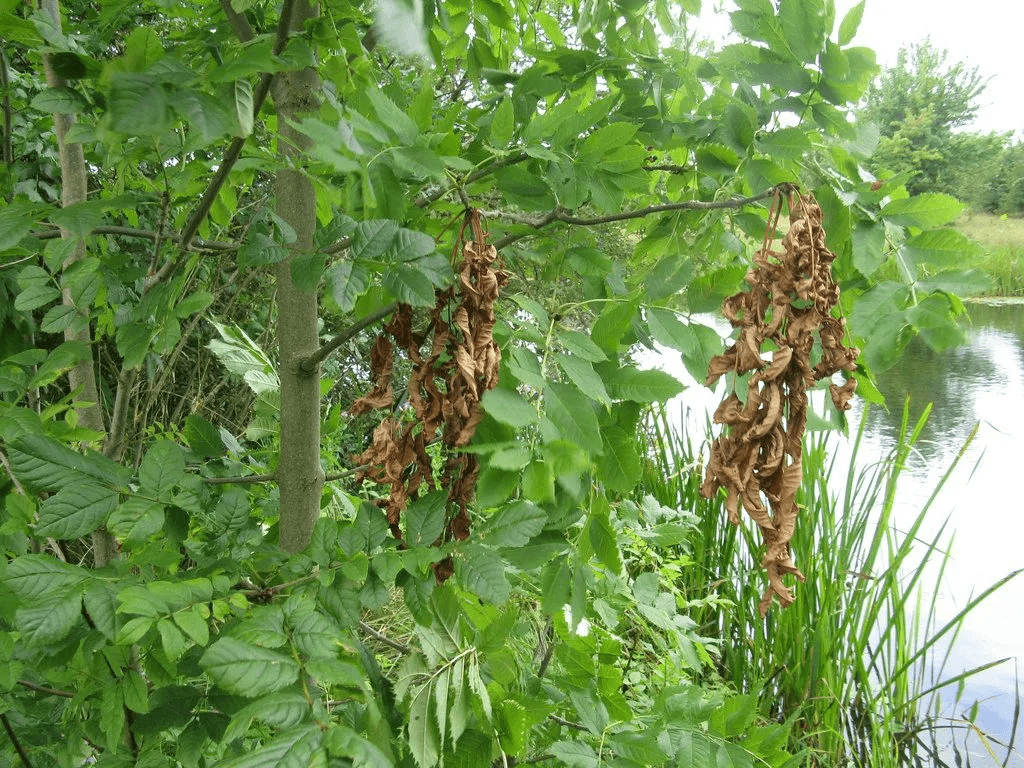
[1003,259]
[853,660]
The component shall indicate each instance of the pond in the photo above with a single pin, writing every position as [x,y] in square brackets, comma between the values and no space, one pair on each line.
[981,383]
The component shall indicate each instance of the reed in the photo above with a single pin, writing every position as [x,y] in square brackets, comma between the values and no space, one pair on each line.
[858,661]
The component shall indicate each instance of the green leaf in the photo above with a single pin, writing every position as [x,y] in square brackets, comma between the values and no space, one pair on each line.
[575,754]
[582,346]
[300,747]
[923,211]
[668,329]
[162,469]
[372,239]
[346,282]
[192,622]
[515,524]
[582,374]
[60,100]
[695,750]
[572,415]
[33,577]
[418,163]
[785,143]
[314,634]
[424,519]
[735,716]
[850,23]
[58,319]
[396,120]
[51,620]
[306,269]
[281,710]
[35,296]
[868,247]
[75,511]
[16,219]
[803,24]
[650,386]
[424,738]
[243,102]
[602,535]
[503,124]
[246,670]
[138,105]
[619,466]
[409,285]
[482,572]
[942,248]
[203,437]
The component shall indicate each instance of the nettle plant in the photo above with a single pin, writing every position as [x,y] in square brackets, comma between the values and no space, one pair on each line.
[210,211]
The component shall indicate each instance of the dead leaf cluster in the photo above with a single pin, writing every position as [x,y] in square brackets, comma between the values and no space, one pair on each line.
[757,457]
[444,389]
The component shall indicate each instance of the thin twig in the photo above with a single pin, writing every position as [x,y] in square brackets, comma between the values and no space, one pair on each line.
[242,479]
[310,363]
[14,740]
[197,244]
[238,22]
[567,723]
[43,689]
[400,647]
[5,82]
[566,217]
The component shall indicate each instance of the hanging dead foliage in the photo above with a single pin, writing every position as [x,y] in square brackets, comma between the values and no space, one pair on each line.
[445,388]
[792,296]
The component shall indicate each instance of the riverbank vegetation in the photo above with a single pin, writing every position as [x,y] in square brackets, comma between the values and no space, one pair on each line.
[1002,254]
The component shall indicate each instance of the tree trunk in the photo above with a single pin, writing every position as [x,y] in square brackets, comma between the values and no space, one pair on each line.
[74,188]
[299,474]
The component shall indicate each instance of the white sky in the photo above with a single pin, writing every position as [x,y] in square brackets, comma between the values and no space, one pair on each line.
[982,33]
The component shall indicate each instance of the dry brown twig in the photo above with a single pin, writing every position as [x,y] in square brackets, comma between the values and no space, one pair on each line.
[758,456]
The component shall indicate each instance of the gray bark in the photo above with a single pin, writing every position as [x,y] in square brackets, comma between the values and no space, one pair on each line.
[74,188]
[299,474]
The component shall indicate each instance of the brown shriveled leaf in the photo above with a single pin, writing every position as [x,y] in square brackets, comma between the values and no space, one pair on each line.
[445,388]
[759,455]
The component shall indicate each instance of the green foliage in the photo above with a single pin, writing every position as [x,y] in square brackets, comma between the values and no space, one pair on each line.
[608,164]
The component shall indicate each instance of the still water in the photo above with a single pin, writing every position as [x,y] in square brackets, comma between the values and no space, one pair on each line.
[981,383]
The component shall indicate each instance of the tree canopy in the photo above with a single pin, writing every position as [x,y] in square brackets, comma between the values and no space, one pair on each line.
[226,477]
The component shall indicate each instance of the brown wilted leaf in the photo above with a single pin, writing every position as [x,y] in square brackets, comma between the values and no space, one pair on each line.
[445,388]
[759,454]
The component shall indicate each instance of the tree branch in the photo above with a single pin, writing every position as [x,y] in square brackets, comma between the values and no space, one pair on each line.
[241,479]
[14,740]
[310,363]
[5,82]
[567,723]
[380,637]
[197,244]
[44,689]
[233,152]
[433,196]
[238,22]
[567,217]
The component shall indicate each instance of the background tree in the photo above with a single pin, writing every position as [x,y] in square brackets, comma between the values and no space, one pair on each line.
[916,105]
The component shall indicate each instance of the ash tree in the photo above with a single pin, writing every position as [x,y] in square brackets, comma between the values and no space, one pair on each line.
[225,225]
